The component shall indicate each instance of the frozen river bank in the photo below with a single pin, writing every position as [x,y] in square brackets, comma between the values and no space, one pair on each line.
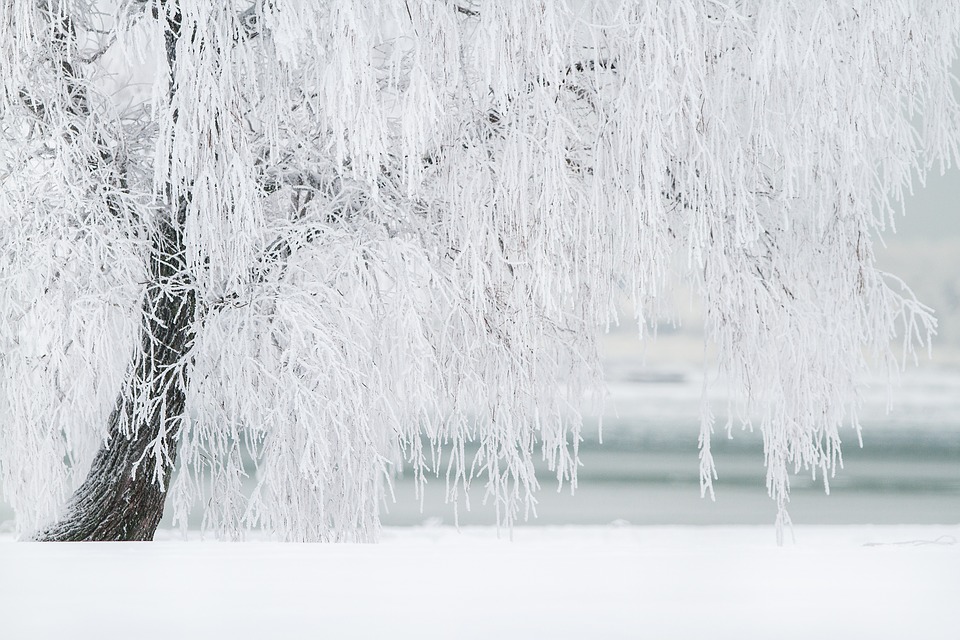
[646,470]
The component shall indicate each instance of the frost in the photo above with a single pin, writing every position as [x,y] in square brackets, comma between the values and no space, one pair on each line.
[405,222]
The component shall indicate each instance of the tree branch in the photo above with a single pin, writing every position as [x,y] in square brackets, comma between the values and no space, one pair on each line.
[473,13]
[249,20]
[77,106]
[275,254]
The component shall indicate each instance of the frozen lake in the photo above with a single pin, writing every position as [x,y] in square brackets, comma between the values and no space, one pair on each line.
[646,471]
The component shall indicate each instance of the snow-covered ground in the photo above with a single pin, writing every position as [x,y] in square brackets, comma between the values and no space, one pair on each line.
[572,582]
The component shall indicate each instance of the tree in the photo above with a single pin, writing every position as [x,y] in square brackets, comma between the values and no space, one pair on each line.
[341,237]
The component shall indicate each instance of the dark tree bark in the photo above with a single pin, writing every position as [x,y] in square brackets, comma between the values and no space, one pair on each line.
[122,497]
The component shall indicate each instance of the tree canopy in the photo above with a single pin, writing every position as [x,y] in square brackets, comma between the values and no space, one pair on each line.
[342,237]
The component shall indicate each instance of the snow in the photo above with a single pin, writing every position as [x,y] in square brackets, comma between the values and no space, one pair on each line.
[402,225]
[566,582]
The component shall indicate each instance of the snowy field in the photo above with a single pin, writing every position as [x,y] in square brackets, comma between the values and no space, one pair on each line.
[568,582]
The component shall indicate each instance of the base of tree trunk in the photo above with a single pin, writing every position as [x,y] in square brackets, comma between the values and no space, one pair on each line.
[114,503]
[121,497]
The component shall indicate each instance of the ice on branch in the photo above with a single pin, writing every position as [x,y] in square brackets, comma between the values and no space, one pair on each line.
[341,238]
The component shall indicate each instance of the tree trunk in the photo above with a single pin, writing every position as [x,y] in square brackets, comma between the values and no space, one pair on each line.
[123,495]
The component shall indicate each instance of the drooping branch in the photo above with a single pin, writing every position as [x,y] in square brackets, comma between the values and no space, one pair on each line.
[123,494]
[474,238]
[102,160]
[459,8]
[249,20]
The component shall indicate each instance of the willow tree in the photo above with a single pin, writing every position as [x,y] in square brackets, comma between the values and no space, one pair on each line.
[341,237]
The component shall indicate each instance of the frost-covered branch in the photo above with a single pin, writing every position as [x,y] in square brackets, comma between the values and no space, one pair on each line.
[402,224]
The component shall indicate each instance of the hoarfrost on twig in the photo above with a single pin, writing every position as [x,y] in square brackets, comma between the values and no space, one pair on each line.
[405,221]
